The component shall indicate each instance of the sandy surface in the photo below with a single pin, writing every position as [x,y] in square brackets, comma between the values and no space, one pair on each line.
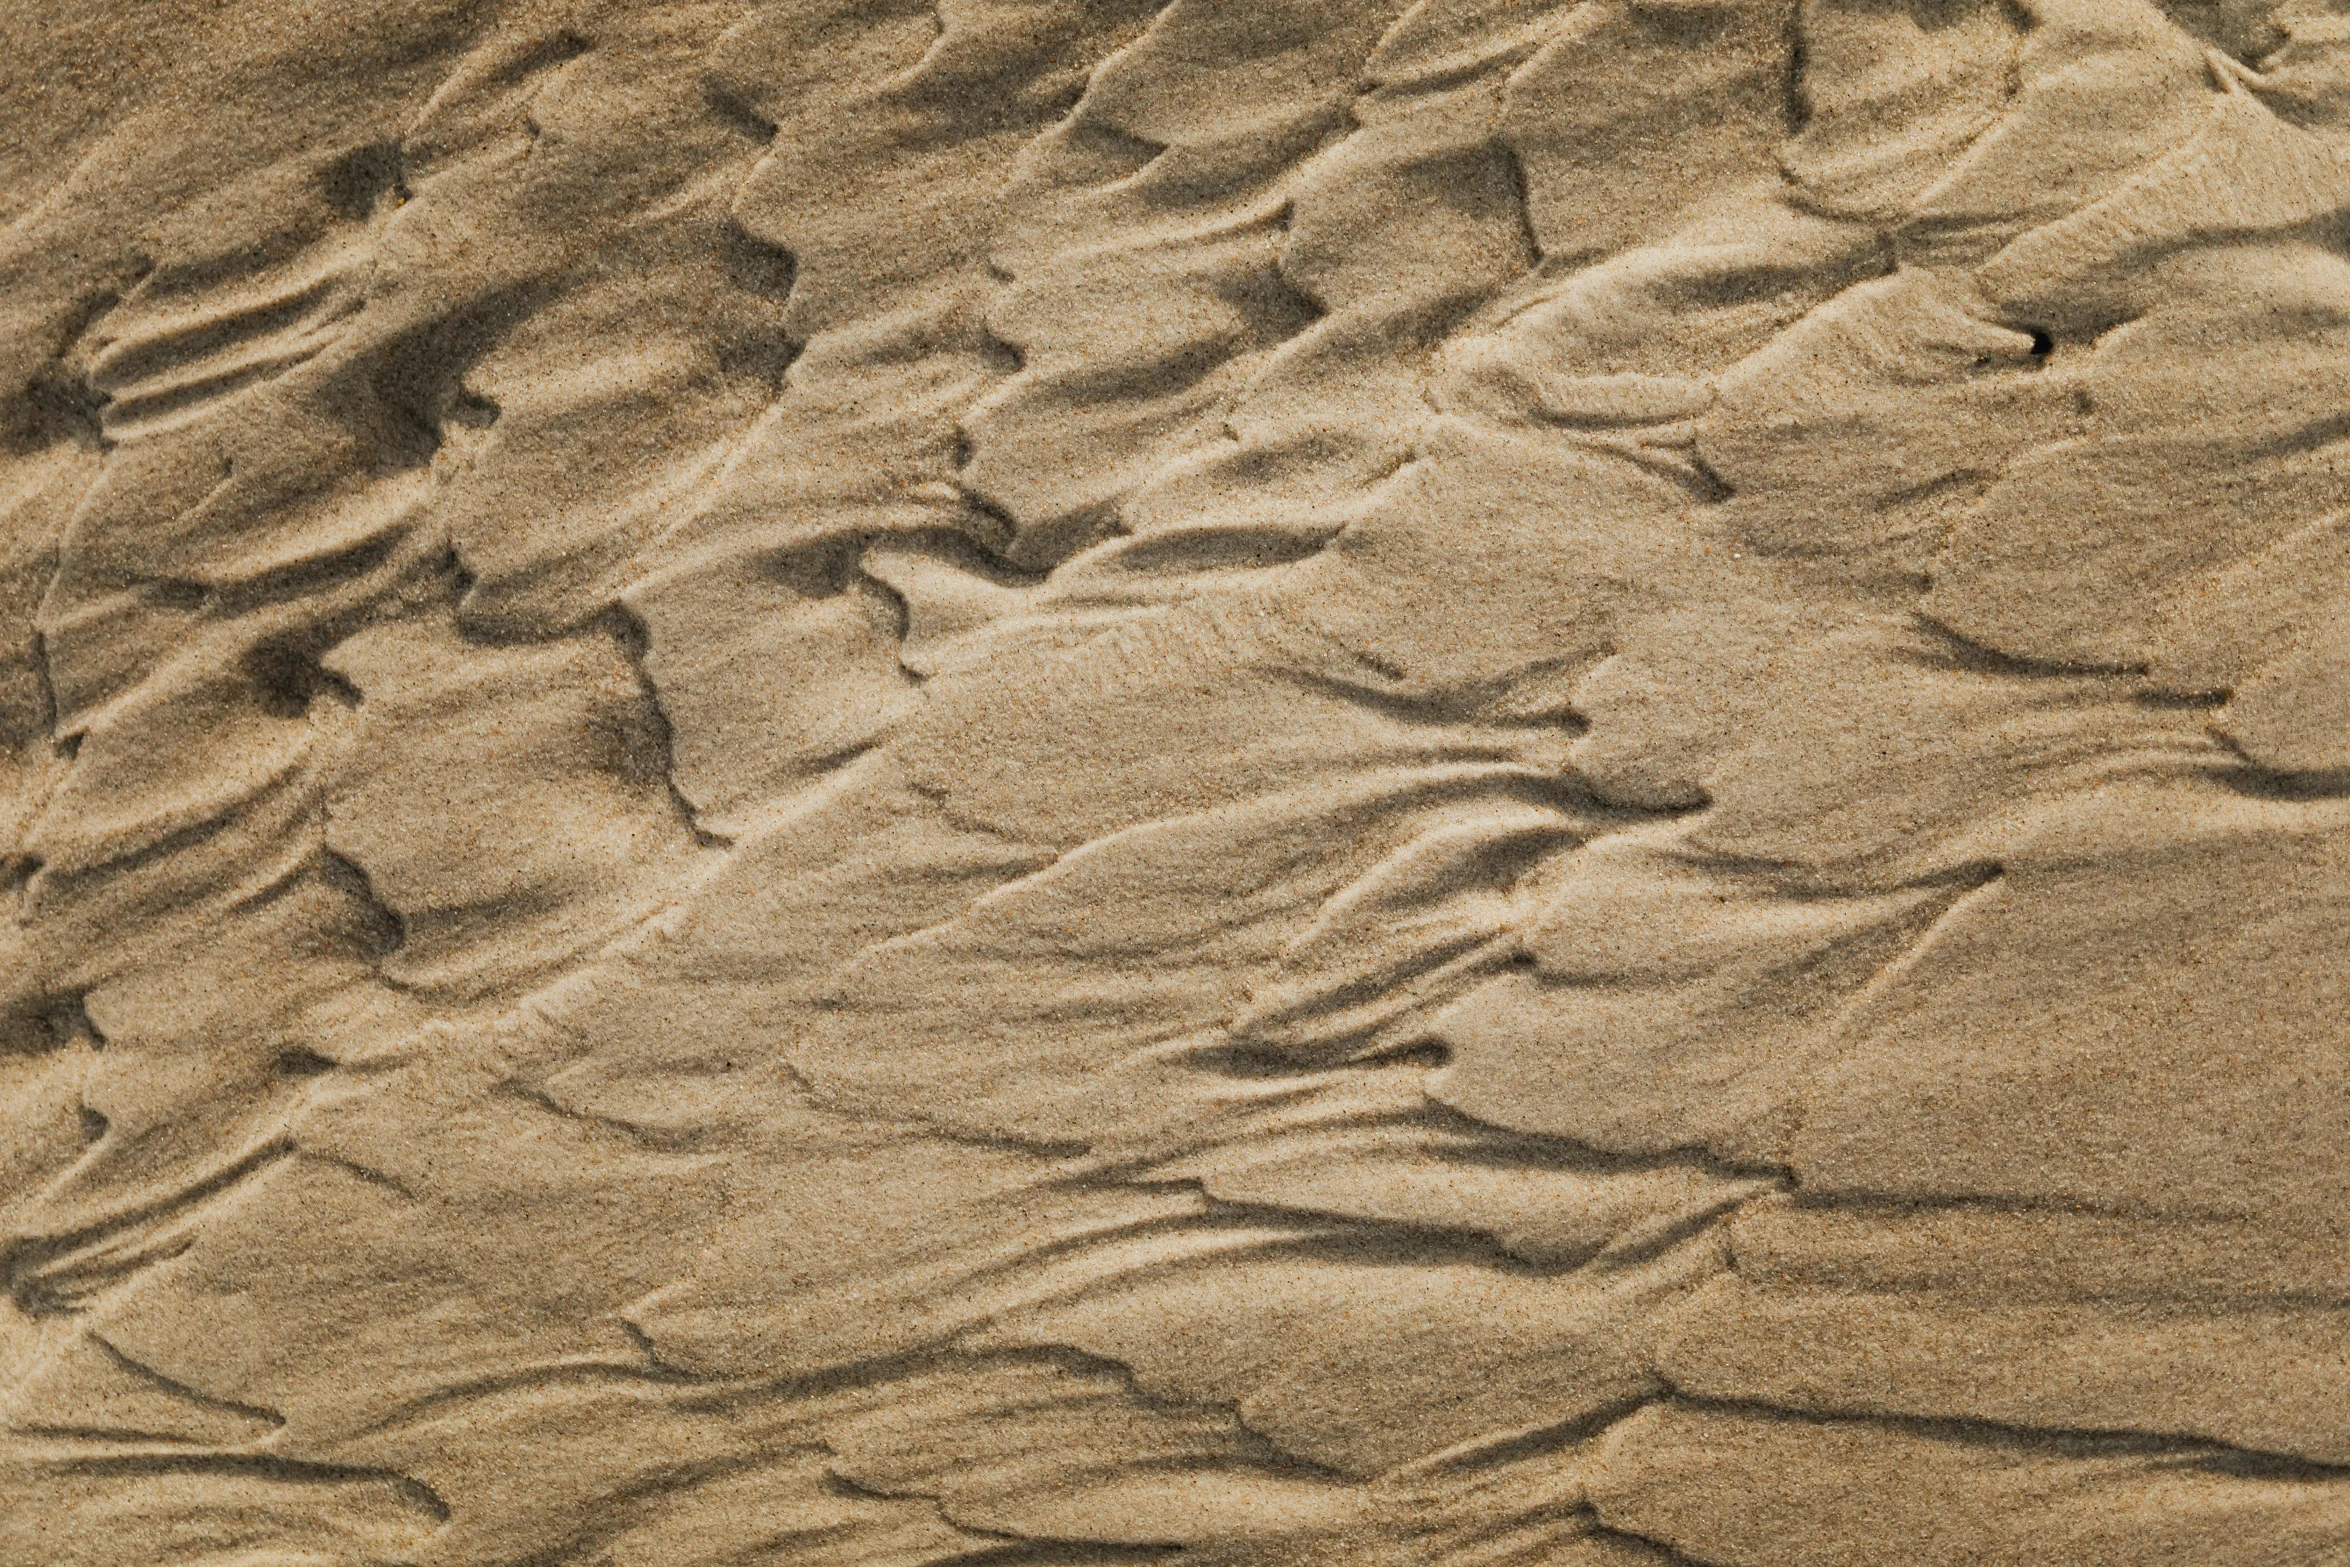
[1253,783]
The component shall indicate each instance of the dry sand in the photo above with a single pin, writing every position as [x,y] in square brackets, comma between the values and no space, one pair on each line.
[887,783]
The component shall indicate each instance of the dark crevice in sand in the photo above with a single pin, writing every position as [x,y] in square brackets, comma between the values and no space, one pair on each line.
[1111,153]
[733,109]
[2266,783]
[612,1514]
[300,1063]
[366,1174]
[355,183]
[1398,1244]
[59,402]
[1063,1553]
[267,1469]
[944,1131]
[999,357]
[1656,1552]
[758,268]
[25,1258]
[1513,164]
[651,1139]
[2185,1452]
[653,750]
[1848,1201]
[45,686]
[1961,652]
[180,1391]
[289,680]
[385,929]
[419,374]
[58,1022]
[562,1376]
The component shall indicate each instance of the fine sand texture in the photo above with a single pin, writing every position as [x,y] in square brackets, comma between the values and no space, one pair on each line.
[1210,783]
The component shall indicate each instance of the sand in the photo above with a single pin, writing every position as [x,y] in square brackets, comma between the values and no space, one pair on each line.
[1242,783]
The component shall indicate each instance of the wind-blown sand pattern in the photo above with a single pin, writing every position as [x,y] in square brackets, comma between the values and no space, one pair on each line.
[886,783]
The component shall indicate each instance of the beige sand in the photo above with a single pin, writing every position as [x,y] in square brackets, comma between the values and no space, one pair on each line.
[886,783]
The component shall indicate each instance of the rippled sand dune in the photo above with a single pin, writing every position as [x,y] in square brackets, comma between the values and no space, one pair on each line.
[1228,783]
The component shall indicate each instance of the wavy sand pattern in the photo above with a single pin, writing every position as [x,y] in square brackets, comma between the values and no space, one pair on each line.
[887,783]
